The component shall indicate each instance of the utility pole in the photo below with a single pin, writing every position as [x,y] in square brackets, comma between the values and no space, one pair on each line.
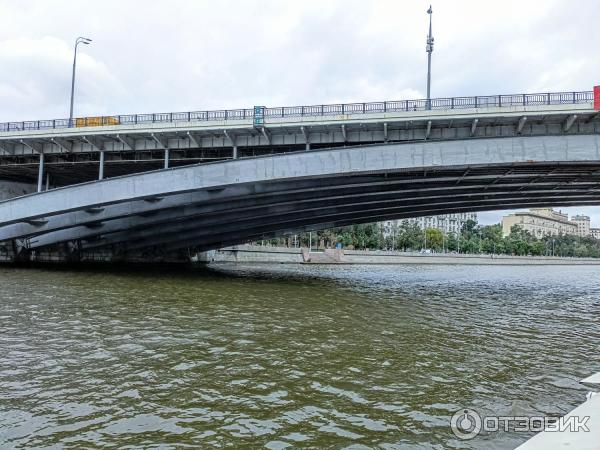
[429,51]
[79,40]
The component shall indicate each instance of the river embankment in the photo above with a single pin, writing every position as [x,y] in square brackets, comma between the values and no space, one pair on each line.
[283,255]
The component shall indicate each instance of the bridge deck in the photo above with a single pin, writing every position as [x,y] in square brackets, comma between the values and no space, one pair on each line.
[150,141]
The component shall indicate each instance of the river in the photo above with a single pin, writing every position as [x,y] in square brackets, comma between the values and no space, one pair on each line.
[289,356]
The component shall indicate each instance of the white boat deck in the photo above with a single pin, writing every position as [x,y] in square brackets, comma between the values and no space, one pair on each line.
[573,440]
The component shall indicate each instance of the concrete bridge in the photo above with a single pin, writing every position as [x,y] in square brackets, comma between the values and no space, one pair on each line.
[284,170]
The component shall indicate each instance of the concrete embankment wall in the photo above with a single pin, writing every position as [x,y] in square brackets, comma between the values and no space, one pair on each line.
[259,254]
[253,254]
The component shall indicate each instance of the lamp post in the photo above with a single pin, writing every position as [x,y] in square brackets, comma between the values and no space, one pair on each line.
[79,40]
[429,51]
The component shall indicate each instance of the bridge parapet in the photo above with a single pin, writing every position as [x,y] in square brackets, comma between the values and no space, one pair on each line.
[289,112]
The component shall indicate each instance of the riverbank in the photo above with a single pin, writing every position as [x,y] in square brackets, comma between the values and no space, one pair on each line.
[283,255]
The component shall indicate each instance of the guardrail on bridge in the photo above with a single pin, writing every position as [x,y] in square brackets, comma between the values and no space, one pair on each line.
[490,101]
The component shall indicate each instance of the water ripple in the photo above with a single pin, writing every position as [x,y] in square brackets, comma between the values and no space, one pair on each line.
[287,356]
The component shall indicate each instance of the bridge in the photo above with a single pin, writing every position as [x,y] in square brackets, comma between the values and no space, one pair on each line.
[158,184]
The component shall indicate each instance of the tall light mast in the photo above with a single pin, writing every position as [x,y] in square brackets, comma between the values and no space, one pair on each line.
[429,51]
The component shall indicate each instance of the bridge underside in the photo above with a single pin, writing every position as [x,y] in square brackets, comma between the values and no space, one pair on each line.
[193,207]
[339,201]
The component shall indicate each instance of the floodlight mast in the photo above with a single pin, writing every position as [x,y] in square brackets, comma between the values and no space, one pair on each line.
[429,50]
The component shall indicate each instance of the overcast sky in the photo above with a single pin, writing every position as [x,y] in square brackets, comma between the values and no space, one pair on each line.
[159,56]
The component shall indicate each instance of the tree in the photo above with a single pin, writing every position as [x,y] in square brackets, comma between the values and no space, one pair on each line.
[452,242]
[435,238]
[410,236]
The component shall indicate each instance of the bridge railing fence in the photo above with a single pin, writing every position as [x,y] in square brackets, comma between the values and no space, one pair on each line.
[341,109]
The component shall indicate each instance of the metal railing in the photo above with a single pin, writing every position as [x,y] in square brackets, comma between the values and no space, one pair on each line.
[490,101]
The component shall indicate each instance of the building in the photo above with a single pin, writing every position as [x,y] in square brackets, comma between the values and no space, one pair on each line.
[595,233]
[540,222]
[446,223]
[583,224]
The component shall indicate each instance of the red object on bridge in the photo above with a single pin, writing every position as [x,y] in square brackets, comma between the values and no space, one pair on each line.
[597,98]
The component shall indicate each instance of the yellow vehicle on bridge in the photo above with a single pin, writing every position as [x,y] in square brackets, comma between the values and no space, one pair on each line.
[96,121]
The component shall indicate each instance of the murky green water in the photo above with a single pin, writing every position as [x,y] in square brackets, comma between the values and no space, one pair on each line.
[269,357]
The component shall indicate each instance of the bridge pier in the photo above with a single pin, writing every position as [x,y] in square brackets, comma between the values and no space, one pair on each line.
[6,252]
[72,251]
[235,152]
[167,155]
[20,251]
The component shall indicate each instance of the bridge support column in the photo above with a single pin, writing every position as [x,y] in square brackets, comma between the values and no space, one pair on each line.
[306,135]
[20,251]
[72,251]
[235,155]
[101,168]
[40,173]
[166,158]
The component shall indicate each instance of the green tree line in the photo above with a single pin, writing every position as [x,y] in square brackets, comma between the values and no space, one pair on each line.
[473,238]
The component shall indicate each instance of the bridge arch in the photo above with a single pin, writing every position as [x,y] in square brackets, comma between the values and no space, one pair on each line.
[224,203]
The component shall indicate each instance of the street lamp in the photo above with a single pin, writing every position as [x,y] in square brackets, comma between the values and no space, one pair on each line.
[429,51]
[79,40]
